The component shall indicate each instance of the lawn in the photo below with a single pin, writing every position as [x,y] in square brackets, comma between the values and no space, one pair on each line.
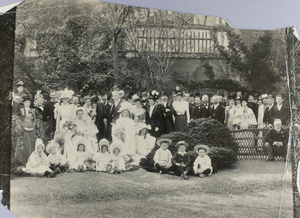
[253,188]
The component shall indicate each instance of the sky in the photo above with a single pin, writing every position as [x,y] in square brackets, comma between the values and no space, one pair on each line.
[243,14]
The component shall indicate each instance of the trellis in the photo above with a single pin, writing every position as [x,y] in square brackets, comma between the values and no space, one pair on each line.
[251,143]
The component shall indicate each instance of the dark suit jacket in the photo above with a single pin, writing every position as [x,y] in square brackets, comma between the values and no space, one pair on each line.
[115,111]
[155,119]
[254,108]
[283,114]
[48,116]
[197,112]
[282,136]
[218,113]
[167,119]
[268,115]
[205,110]
[100,115]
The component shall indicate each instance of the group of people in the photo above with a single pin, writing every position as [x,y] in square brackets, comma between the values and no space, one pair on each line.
[133,122]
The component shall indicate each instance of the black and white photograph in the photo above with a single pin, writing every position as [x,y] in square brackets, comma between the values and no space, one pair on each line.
[125,111]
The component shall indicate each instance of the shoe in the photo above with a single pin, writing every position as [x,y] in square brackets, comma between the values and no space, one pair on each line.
[160,172]
[201,175]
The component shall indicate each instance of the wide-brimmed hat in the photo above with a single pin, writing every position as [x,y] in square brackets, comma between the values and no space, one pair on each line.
[181,143]
[52,144]
[20,83]
[66,94]
[154,95]
[159,141]
[264,96]
[125,106]
[205,147]
[143,126]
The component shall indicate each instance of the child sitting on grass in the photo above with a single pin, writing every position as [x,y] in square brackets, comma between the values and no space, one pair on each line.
[55,158]
[202,164]
[162,158]
[81,156]
[118,160]
[181,160]
[38,164]
[103,158]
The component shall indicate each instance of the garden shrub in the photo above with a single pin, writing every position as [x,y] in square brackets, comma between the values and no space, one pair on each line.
[202,131]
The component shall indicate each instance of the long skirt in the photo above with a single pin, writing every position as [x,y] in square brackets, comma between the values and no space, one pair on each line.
[180,123]
[25,146]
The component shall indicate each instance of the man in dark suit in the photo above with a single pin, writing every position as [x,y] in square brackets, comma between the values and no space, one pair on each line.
[217,110]
[276,141]
[198,108]
[154,116]
[205,107]
[108,107]
[48,116]
[100,116]
[117,96]
[192,106]
[268,114]
[167,112]
[280,111]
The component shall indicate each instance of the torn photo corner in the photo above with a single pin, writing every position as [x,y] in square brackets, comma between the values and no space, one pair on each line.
[89,77]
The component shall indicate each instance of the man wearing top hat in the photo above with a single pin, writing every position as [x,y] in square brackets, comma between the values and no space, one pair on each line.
[154,114]
[167,115]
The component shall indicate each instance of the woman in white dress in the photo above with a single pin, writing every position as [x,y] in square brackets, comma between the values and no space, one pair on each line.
[127,125]
[229,114]
[244,117]
[63,111]
[182,114]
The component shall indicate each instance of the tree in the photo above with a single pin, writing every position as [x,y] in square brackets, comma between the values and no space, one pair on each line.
[209,72]
[155,40]
[71,48]
[257,64]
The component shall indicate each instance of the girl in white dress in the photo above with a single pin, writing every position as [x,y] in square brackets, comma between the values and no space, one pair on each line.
[38,163]
[103,157]
[128,126]
[229,114]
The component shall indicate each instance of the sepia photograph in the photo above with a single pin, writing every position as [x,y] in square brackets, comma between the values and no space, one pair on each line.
[125,111]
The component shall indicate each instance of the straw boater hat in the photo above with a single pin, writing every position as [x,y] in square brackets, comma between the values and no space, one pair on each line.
[52,144]
[205,147]
[181,143]
[264,95]
[159,141]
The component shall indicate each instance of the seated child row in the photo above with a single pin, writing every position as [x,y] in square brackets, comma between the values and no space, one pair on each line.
[109,158]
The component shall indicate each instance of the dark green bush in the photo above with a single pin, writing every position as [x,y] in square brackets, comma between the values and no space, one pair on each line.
[202,131]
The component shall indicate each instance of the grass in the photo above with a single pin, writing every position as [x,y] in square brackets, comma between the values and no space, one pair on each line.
[252,188]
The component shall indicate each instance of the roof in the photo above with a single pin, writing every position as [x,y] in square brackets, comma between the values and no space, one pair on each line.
[7,8]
